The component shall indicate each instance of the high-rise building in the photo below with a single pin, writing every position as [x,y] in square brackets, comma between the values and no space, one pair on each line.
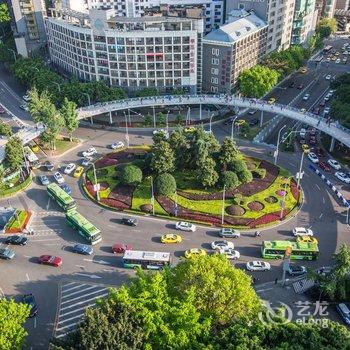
[133,53]
[325,8]
[342,5]
[228,51]
[28,24]
[278,14]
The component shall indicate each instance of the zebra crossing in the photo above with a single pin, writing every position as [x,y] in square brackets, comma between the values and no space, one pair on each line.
[75,297]
[303,285]
[48,223]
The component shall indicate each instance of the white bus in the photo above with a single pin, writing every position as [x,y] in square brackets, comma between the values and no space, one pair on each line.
[31,157]
[146,260]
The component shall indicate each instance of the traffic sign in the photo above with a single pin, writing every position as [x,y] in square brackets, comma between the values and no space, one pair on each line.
[96,187]
[286,264]
[288,252]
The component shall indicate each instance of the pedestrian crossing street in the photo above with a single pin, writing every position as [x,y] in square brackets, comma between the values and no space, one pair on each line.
[75,297]
[48,223]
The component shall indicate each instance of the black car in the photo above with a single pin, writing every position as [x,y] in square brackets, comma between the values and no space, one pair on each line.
[129,221]
[48,166]
[296,270]
[17,240]
[254,122]
[292,84]
[29,299]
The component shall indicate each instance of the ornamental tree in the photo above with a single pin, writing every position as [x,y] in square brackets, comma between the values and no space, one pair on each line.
[163,159]
[230,180]
[14,153]
[165,184]
[206,173]
[70,116]
[228,152]
[245,176]
[131,175]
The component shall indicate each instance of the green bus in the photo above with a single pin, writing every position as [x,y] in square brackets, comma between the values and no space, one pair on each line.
[85,228]
[300,250]
[63,199]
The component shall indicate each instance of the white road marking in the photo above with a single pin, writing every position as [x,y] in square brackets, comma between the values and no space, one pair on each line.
[78,309]
[48,239]
[323,200]
[81,266]
[86,275]
[91,260]
[318,186]
[320,216]
[34,322]
[75,287]
[83,302]
[79,291]
[79,297]
[69,319]
[27,276]
[27,256]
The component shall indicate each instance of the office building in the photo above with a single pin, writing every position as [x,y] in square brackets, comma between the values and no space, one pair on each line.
[325,8]
[228,51]
[133,53]
[342,5]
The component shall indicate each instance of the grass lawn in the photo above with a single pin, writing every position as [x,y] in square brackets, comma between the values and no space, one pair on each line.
[18,220]
[62,145]
[108,177]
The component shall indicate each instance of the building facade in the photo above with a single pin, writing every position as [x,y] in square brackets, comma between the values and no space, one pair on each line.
[342,5]
[132,53]
[231,49]
[278,14]
[325,8]
[28,24]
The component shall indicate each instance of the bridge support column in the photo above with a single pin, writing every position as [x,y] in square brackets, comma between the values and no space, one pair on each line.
[331,147]
[200,111]
[110,117]
[261,118]
[154,117]
[91,121]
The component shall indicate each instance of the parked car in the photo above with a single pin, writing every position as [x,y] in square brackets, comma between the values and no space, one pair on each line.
[83,249]
[320,152]
[324,166]
[86,161]
[306,97]
[252,111]
[312,140]
[328,77]
[230,253]
[327,110]
[171,238]
[78,171]
[66,188]
[185,226]
[2,110]
[302,231]
[334,164]
[258,266]
[44,180]
[129,221]
[322,103]
[24,106]
[344,312]
[29,299]
[117,145]
[296,270]
[51,260]
[229,233]
[90,152]
[302,132]
[253,122]
[48,166]
[69,168]
[337,60]
[16,240]
[312,156]
[271,100]
[58,177]
[342,177]
[26,98]
[118,248]
[194,252]
[222,245]
[7,253]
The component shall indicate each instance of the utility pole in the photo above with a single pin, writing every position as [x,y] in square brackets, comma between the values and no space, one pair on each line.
[223,206]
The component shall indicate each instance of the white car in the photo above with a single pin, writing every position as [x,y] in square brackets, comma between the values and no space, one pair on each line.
[342,177]
[306,97]
[58,177]
[337,60]
[117,145]
[161,131]
[24,106]
[327,110]
[86,161]
[312,156]
[334,164]
[90,152]
[185,226]
[328,77]
[230,253]
[26,98]
[69,168]
[222,245]
[258,266]
[302,231]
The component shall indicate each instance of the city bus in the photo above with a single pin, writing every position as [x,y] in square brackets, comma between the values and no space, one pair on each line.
[327,48]
[85,228]
[31,158]
[63,199]
[300,250]
[146,260]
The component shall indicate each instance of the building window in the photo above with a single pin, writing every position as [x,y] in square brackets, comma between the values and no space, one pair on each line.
[215,52]
[214,80]
[215,61]
[214,89]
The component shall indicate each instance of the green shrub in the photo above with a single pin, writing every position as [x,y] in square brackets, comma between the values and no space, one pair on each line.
[259,173]
[165,184]
[238,166]
[245,176]
[237,198]
[131,175]
[229,180]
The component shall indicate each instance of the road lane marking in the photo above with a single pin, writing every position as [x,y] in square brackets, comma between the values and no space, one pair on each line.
[78,291]
[48,239]
[27,256]
[83,302]
[82,296]
[323,200]
[34,322]
[69,319]
[320,216]
[27,276]
[67,290]
[81,266]
[76,310]
[318,187]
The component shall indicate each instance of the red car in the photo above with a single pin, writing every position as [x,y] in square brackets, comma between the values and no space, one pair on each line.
[120,248]
[322,103]
[324,166]
[300,86]
[2,111]
[312,140]
[317,110]
[320,152]
[50,260]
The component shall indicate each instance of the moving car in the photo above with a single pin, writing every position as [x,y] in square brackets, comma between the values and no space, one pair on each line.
[48,166]
[306,97]
[2,110]
[334,164]
[194,252]
[24,106]
[90,152]
[58,177]
[305,148]
[240,122]
[258,266]
[327,110]
[296,270]
[312,156]
[291,84]
[69,168]
[284,136]
[44,180]
[222,245]
[50,260]
[35,148]
[312,140]
[253,122]
[83,249]
[328,77]
[66,188]
[7,253]
[117,145]
[229,233]
[171,238]
[129,221]
[317,110]
[185,226]
[342,177]
[344,312]
[252,111]
[337,60]
[86,161]
[302,231]
[303,70]
[302,110]
[320,152]
[300,86]
[120,248]
[230,253]
[26,98]
[307,239]
[17,240]
[78,171]
[324,166]
[271,100]
[29,299]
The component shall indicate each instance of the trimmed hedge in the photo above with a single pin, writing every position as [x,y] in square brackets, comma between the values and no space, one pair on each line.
[10,191]
[165,184]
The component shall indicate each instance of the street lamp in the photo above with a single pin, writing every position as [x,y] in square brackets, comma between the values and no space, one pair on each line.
[300,167]
[152,195]
[167,123]
[58,85]
[126,129]
[96,184]
[89,102]
[211,117]
[223,206]
[14,54]
[278,142]
[233,123]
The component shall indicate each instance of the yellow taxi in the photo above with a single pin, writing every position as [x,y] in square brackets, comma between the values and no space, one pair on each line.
[78,171]
[303,70]
[194,252]
[271,100]
[305,148]
[190,129]
[35,148]
[302,110]
[240,122]
[307,239]
[171,238]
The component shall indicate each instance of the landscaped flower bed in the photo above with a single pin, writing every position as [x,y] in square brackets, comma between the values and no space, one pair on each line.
[19,222]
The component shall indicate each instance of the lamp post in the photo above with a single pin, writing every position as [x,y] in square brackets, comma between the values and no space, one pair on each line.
[14,54]
[58,85]
[95,177]
[126,129]
[278,142]
[167,122]
[283,203]
[152,195]
[300,167]
[223,206]
[233,123]
[89,102]
[210,119]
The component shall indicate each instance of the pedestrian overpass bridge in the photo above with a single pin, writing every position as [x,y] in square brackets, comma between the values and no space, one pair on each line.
[335,130]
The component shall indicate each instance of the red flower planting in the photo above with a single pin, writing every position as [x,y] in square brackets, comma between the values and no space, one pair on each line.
[90,188]
[114,203]
[122,193]
[268,218]
[294,190]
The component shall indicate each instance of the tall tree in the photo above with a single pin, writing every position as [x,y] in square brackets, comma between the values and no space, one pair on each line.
[163,158]
[181,146]
[4,13]
[38,104]
[206,173]
[12,318]
[54,124]
[326,26]
[70,116]
[5,129]
[228,152]
[14,153]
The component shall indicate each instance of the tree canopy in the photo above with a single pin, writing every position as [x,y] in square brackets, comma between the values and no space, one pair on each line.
[131,175]
[326,26]
[163,158]
[4,13]
[165,184]
[14,153]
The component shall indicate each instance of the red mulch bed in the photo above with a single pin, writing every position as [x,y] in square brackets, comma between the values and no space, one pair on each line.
[255,206]
[268,218]
[294,190]
[115,203]
[119,157]
[101,163]
[90,188]
[122,193]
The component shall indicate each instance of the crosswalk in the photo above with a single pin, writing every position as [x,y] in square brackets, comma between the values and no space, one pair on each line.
[303,285]
[48,223]
[75,297]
